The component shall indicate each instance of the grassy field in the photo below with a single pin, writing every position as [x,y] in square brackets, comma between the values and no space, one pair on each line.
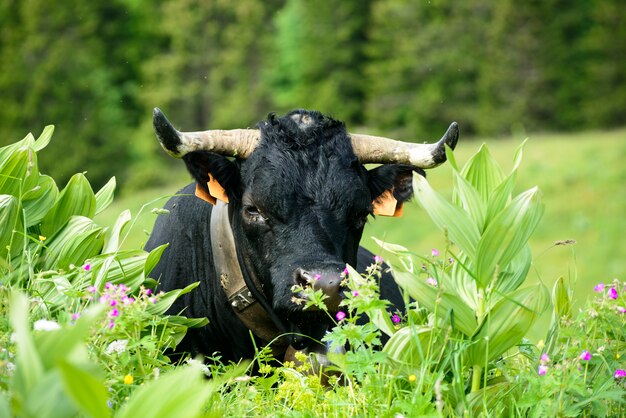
[583,180]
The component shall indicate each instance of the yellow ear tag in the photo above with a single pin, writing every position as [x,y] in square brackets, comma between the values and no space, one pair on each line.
[387,205]
[216,191]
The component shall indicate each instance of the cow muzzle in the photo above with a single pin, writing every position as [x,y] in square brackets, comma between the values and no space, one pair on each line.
[327,279]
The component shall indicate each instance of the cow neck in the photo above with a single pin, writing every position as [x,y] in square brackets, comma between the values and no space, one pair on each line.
[243,290]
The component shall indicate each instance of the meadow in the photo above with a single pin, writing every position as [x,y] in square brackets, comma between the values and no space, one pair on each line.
[491,331]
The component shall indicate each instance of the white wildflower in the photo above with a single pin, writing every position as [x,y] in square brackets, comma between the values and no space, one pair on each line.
[10,368]
[117,347]
[46,325]
[200,365]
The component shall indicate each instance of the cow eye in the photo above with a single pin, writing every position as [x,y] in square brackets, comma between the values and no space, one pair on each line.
[253,214]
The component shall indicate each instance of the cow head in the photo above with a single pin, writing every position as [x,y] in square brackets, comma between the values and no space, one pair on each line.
[299,197]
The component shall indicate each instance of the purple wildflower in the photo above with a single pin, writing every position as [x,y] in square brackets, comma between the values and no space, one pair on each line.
[75,316]
[341,315]
[148,292]
[612,293]
[396,319]
[544,358]
[346,272]
[355,293]
[92,289]
[586,355]
[621,309]
[599,287]
[619,373]
[378,259]
[114,312]
[317,276]
[87,267]
[542,370]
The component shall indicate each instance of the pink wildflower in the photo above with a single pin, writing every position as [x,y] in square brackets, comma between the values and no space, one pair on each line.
[340,316]
[395,319]
[432,281]
[317,276]
[378,259]
[586,355]
[75,316]
[544,358]
[148,292]
[435,252]
[599,287]
[621,309]
[346,272]
[87,267]
[613,293]
[111,324]
[619,373]
[114,312]
[355,293]
[542,370]
[92,289]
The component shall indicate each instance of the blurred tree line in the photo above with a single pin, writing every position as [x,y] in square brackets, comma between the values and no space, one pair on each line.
[404,67]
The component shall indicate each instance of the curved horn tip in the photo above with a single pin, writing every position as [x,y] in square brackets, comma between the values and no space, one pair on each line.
[167,135]
[451,137]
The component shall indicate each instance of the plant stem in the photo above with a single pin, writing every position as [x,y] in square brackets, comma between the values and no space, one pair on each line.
[476,374]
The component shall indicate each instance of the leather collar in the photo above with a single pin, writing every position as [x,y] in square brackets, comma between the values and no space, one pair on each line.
[240,298]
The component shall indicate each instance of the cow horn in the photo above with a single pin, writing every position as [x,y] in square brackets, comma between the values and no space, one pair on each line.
[241,143]
[376,149]
[234,142]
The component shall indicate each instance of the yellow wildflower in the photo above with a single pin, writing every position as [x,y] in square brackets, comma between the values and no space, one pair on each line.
[412,378]
[128,379]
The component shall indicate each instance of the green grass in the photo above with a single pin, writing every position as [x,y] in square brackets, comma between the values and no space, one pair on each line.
[583,180]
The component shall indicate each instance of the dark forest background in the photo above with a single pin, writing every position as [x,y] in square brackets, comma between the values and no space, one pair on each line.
[396,67]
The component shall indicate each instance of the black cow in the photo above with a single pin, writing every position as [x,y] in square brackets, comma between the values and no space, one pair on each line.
[298,198]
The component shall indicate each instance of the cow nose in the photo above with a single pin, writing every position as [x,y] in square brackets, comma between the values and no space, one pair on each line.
[327,280]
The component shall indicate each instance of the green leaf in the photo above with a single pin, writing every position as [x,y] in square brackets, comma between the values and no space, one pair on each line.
[86,390]
[48,399]
[38,201]
[514,274]
[409,345]
[122,267]
[104,197]
[78,240]
[187,322]
[153,258]
[112,241]
[166,300]
[76,199]
[507,323]
[444,304]
[14,170]
[5,408]
[29,369]
[561,300]
[483,172]
[448,217]
[182,392]
[44,138]
[11,227]
[507,234]
[467,197]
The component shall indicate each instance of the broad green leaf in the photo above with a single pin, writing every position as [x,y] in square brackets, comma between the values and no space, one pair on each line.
[122,267]
[463,283]
[153,258]
[561,300]
[182,392]
[78,240]
[507,323]
[48,399]
[439,301]
[187,322]
[166,300]
[5,408]
[514,274]
[14,170]
[467,197]
[507,234]
[409,346]
[39,200]
[86,390]
[29,369]
[448,217]
[6,151]
[54,346]
[44,138]
[483,172]
[499,199]
[76,199]
[104,197]
[11,227]
[112,241]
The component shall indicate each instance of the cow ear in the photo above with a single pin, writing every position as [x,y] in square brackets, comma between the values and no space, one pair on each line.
[391,185]
[217,178]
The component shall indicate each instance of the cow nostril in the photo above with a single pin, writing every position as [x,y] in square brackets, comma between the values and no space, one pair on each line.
[303,277]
